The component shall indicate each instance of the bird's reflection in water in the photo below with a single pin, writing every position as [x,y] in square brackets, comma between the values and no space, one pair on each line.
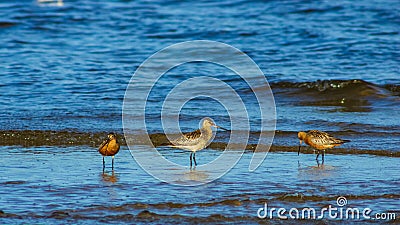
[108,177]
[195,175]
[316,172]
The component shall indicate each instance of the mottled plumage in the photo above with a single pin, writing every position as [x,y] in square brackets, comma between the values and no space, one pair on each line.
[187,138]
[109,147]
[319,140]
[196,140]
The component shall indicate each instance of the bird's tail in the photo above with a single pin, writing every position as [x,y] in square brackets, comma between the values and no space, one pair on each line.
[340,141]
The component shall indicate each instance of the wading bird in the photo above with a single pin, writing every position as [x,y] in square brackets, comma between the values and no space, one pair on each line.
[196,140]
[109,147]
[319,140]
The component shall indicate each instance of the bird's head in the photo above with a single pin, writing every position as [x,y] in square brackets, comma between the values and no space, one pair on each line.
[112,136]
[208,122]
[302,136]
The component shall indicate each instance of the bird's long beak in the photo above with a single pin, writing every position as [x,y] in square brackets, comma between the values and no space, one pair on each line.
[221,128]
[298,152]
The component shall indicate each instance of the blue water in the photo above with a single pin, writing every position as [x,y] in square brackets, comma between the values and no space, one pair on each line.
[76,60]
[332,65]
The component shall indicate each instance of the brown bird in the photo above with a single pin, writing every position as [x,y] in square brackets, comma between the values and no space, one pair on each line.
[319,140]
[196,140]
[109,147]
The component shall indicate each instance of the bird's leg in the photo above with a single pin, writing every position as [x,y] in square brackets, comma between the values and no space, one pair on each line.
[194,158]
[112,163]
[104,164]
[323,156]
[317,155]
[191,159]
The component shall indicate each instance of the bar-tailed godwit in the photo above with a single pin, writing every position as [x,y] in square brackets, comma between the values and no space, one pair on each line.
[196,140]
[109,147]
[319,140]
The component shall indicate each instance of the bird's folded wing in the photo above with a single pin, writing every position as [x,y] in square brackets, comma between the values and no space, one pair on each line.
[323,138]
[104,143]
[187,138]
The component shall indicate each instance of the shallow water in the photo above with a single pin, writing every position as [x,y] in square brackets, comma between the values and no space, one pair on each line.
[332,66]
[36,187]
